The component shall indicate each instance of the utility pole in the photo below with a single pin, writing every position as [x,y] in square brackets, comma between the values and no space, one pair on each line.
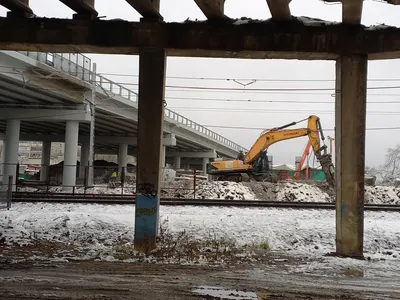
[92,123]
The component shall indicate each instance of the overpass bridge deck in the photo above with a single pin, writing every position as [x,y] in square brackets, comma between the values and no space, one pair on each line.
[49,81]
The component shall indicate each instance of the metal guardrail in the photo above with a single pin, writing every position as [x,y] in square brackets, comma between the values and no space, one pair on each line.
[131,199]
[80,66]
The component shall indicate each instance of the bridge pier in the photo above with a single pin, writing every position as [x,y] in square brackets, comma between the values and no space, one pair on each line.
[177,162]
[152,69]
[84,159]
[45,161]
[122,157]
[70,155]
[351,91]
[11,145]
[206,160]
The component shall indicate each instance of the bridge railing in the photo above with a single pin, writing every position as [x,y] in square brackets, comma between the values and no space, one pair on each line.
[80,66]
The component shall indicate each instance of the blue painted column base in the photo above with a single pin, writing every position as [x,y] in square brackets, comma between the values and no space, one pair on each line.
[146,221]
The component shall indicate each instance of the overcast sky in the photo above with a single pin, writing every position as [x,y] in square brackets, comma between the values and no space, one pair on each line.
[251,113]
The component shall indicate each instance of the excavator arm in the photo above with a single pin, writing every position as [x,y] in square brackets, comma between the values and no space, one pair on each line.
[271,137]
[266,139]
[314,133]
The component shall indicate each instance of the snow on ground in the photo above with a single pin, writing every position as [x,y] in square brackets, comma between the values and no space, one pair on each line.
[97,227]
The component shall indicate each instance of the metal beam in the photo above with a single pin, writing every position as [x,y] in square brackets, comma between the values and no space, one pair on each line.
[149,9]
[200,39]
[279,9]
[212,9]
[82,7]
[17,7]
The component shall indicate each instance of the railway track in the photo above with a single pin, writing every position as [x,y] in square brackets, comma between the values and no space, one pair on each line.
[130,199]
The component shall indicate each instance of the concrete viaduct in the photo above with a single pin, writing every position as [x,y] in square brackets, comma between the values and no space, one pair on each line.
[283,36]
[48,97]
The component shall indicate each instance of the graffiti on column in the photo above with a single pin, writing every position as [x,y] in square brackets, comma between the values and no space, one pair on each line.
[146,212]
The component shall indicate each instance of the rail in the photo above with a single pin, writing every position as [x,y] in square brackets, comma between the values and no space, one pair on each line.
[80,66]
[130,199]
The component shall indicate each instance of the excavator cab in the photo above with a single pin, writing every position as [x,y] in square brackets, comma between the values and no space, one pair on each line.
[260,169]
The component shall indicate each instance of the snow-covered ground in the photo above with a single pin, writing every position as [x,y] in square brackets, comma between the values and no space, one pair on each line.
[99,227]
[282,191]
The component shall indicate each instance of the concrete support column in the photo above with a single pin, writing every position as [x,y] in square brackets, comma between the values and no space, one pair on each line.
[177,162]
[152,69]
[163,150]
[84,159]
[122,157]
[2,160]
[70,155]
[11,149]
[351,89]
[45,162]
[206,160]
[186,166]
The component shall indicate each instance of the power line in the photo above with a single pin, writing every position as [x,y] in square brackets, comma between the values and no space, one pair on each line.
[246,79]
[265,110]
[255,89]
[266,101]
[262,128]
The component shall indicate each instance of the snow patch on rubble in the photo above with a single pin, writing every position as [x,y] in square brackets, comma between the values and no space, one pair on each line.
[210,190]
[382,195]
[314,21]
[300,192]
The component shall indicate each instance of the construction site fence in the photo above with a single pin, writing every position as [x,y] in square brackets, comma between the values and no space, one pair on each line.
[6,182]
[106,180]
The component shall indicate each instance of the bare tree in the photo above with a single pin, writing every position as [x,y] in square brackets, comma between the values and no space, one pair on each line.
[391,168]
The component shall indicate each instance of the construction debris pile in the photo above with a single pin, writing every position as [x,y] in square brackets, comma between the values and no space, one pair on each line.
[208,190]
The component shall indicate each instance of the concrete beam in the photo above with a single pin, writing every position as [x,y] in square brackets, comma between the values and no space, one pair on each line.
[132,141]
[279,9]
[17,7]
[200,39]
[82,7]
[351,86]
[352,11]
[212,9]
[28,114]
[208,154]
[149,9]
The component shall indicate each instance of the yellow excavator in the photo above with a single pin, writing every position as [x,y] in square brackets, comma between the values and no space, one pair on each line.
[254,164]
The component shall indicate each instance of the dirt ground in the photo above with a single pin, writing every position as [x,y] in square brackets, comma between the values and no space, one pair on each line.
[90,280]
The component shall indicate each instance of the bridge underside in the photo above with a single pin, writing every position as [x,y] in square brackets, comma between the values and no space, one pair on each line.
[281,37]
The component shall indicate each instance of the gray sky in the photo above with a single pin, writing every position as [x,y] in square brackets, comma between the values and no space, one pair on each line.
[264,115]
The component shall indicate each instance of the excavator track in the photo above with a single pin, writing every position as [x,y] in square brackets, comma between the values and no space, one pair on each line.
[237,177]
